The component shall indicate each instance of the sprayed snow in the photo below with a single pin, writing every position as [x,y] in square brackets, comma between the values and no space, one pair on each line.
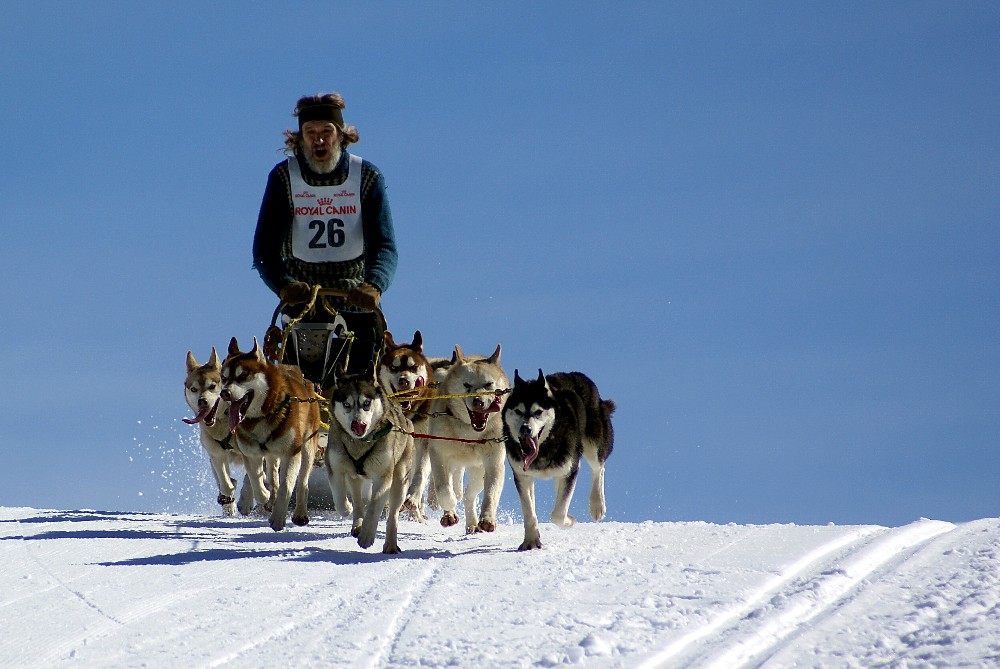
[103,589]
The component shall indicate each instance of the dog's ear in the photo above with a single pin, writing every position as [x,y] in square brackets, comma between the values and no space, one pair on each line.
[458,356]
[545,383]
[192,364]
[256,350]
[495,358]
[517,378]
[213,360]
[389,343]
[234,348]
[418,342]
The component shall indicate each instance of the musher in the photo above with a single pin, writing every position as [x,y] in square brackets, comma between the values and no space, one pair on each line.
[325,220]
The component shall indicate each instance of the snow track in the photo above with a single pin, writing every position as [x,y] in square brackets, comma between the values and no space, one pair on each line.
[800,600]
[745,609]
[94,589]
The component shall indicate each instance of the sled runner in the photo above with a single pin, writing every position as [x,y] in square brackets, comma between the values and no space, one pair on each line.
[322,339]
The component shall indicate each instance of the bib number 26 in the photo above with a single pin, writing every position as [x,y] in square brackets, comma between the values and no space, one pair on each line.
[328,233]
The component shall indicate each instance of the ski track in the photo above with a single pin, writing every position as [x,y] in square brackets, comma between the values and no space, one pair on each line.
[940,623]
[796,596]
[680,646]
[404,612]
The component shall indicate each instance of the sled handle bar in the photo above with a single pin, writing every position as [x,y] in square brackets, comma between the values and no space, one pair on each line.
[326,292]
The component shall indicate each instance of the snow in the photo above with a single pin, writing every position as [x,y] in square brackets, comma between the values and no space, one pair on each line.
[121,589]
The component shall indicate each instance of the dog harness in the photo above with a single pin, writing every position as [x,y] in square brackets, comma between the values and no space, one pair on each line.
[227,443]
[326,222]
[359,464]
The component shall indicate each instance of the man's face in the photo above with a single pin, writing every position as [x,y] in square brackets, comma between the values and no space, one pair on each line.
[321,144]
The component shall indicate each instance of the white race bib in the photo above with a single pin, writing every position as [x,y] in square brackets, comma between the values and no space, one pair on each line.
[326,225]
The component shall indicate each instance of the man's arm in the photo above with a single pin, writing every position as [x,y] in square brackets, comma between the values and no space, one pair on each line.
[273,223]
[381,256]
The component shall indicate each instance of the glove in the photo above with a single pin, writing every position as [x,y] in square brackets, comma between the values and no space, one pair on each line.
[296,292]
[365,296]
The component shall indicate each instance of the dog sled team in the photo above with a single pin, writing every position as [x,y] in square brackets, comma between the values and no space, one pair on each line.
[407,426]
[399,424]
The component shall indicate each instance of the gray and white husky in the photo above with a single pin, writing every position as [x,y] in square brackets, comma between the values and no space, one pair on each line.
[370,440]
[549,424]
[202,389]
[406,373]
[468,434]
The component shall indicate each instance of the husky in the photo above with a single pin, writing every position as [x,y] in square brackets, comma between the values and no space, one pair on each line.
[275,419]
[202,388]
[406,373]
[370,440]
[549,423]
[467,435]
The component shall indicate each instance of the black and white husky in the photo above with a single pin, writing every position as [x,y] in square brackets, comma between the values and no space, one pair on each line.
[549,424]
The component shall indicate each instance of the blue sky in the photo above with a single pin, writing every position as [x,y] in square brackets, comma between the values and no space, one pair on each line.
[768,231]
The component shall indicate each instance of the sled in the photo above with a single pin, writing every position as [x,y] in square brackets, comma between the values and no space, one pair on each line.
[321,349]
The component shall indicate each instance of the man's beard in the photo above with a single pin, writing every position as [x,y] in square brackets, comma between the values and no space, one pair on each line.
[326,165]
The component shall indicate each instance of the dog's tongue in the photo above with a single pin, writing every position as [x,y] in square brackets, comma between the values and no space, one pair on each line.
[359,428]
[529,449]
[205,413]
[202,412]
[235,416]
[237,411]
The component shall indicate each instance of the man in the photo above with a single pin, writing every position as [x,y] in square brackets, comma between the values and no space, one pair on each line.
[325,220]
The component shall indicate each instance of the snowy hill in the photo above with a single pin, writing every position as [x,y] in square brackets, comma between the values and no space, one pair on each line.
[103,589]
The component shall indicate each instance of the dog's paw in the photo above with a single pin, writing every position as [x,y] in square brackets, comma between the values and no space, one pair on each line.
[391,549]
[563,521]
[449,518]
[410,512]
[277,524]
[530,544]
[344,508]
[366,539]
[486,525]
[300,520]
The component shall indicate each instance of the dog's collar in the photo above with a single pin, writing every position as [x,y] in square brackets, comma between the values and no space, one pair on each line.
[380,434]
[227,443]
